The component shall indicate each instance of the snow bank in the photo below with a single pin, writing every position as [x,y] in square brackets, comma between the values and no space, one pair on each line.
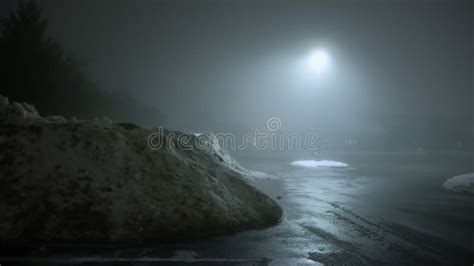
[461,183]
[318,164]
[16,113]
[98,181]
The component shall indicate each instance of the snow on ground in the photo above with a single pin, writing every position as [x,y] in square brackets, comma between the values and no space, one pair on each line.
[98,181]
[318,164]
[260,174]
[460,183]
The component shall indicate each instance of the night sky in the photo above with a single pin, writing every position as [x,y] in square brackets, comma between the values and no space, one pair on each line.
[222,65]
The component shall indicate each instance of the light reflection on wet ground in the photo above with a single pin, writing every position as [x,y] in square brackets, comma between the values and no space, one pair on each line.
[380,210]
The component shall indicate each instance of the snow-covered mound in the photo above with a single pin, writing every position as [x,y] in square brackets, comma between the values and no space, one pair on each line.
[318,164]
[98,180]
[461,183]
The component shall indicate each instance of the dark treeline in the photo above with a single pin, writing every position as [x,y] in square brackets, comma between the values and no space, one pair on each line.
[35,69]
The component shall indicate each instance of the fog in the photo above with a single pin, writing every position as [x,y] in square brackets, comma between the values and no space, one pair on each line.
[237,132]
[400,73]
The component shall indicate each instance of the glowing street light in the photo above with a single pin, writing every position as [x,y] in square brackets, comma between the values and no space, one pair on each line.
[313,67]
[319,60]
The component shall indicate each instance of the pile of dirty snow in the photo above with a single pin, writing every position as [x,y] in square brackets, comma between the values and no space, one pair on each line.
[98,181]
[461,183]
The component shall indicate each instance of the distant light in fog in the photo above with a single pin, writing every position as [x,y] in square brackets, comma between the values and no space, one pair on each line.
[314,68]
[319,60]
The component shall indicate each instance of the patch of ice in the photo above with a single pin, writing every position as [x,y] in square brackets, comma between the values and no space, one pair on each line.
[460,183]
[318,164]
